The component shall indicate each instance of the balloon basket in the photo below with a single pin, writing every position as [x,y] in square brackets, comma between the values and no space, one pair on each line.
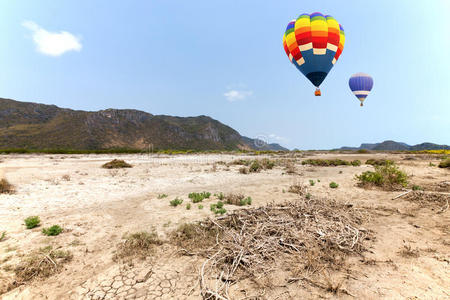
[361,104]
[317,93]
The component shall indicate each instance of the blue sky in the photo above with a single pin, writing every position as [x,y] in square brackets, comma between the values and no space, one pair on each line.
[225,59]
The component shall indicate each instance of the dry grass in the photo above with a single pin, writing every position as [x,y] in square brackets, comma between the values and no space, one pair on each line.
[298,189]
[234,199]
[408,251]
[316,234]
[42,263]
[137,245]
[6,187]
[435,201]
[116,164]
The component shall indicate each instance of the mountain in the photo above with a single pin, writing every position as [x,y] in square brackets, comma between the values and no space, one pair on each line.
[396,146]
[40,126]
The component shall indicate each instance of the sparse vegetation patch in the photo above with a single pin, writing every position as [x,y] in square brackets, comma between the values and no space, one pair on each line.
[379,162]
[198,197]
[330,162]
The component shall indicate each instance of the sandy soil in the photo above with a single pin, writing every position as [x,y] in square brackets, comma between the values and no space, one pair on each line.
[96,207]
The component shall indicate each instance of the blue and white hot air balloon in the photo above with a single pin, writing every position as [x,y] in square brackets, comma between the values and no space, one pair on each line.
[361,84]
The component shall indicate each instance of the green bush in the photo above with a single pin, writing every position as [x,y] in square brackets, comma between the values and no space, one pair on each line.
[312,182]
[246,201]
[220,196]
[308,196]
[416,188]
[334,185]
[198,197]
[2,236]
[445,163]
[218,208]
[175,202]
[52,231]
[379,162]
[32,222]
[161,196]
[188,206]
[356,163]
[200,206]
[387,176]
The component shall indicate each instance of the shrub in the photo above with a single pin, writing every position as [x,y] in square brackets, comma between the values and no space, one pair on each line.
[116,164]
[445,163]
[234,199]
[356,163]
[32,222]
[200,206]
[379,162]
[308,196]
[267,164]
[243,170]
[198,197]
[220,196]
[3,236]
[246,201]
[387,176]
[175,202]
[290,168]
[6,187]
[220,211]
[363,151]
[161,196]
[218,208]
[255,167]
[52,231]
[334,185]
[138,244]
[312,182]
[188,206]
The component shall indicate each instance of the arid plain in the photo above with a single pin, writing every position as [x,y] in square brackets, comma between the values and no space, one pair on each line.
[398,248]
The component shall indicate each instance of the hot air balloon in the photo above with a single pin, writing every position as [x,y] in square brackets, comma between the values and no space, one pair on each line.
[313,43]
[361,84]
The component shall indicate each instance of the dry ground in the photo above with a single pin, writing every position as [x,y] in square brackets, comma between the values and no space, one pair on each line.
[409,258]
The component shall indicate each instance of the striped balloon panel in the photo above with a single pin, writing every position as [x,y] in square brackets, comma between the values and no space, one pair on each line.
[318,39]
[361,84]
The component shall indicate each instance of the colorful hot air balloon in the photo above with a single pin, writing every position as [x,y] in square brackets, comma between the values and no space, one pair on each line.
[313,44]
[361,84]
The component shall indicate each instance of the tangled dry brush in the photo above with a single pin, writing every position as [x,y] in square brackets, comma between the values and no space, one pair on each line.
[316,234]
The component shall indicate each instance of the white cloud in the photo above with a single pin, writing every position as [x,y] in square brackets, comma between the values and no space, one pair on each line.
[235,95]
[277,138]
[52,43]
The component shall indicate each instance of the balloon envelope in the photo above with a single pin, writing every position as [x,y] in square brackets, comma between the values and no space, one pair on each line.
[361,84]
[313,43]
